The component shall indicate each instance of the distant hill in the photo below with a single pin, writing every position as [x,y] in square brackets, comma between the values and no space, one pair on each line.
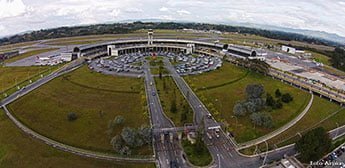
[127,27]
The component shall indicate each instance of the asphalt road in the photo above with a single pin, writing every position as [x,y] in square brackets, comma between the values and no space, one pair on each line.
[222,148]
[166,150]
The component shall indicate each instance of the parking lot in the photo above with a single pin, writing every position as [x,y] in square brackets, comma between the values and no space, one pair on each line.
[131,64]
[334,159]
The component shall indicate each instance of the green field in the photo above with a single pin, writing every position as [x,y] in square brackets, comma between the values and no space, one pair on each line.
[319,110]
[321,58]
[167,89]
[222,89]
[21,151]
[10,76]
[28,54]
[95,98]
[322,113]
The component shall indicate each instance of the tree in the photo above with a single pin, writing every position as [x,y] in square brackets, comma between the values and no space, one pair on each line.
[313,145]
[173,106]
[239,109]
[250,107]
[286,98]
[262,119]
[270,101]
[146,134]
[72,116]
[129,136]
[160,71]
[278,105]
[254,91]
[278,93]
[273,103]
[125,150]
[119,120]
[117,143]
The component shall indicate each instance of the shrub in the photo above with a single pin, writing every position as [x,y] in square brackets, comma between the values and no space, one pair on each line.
[278,93]
[119,120]
[254,91]
[72,116]
[286,98]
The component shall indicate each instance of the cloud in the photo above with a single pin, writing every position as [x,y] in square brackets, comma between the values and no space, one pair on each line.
[163,9]
[23,15]
[183,12]
[12,8]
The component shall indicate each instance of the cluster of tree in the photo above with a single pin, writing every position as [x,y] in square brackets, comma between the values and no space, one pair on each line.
[119,28]
[131,138]
[277,103]
[313,145]
[338,58]
[253,105]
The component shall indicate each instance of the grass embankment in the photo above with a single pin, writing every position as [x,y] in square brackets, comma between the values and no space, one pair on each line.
[95,98]
[28,54]
[168,91]
[10,76]
[20,150]
[203,158]
[220,90]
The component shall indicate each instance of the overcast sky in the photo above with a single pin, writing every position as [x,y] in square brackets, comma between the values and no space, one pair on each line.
[22,15]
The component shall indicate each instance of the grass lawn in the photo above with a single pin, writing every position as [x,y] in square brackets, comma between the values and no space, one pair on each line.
[321,58]
[20,150]
[95,98]
[196,158]
[166,95]
[319,110]
[316,116]
[28,54]
[155,70]
[227,87]
[10,76]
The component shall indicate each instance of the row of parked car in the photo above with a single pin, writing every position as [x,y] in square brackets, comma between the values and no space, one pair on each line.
[195,65]
[131,63]
[332,157]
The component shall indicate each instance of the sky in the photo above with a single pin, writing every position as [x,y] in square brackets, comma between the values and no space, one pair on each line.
[23,15]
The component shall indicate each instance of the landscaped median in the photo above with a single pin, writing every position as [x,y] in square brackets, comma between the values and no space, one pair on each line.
[174,104]
[197,152]
[82,109]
